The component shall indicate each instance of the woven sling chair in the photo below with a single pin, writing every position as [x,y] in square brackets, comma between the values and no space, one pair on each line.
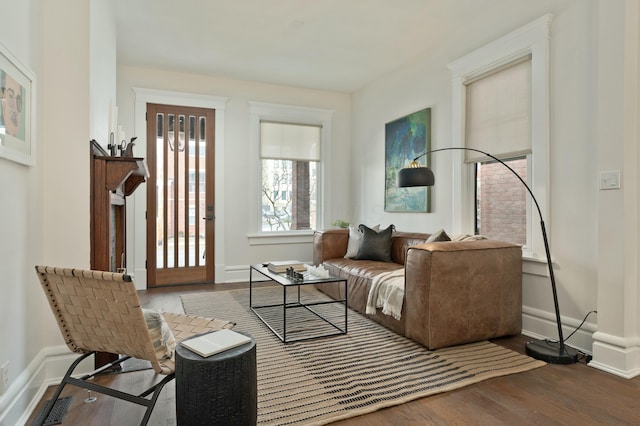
[100,312]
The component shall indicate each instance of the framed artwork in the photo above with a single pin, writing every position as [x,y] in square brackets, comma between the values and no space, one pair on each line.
[405,139]
[17,100]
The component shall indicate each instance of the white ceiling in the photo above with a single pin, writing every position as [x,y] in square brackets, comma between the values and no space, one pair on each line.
[337,45]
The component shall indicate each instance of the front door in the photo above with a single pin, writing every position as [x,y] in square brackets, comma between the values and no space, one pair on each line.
[180,195]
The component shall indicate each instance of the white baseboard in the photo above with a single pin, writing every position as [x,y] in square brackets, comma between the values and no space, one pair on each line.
[240,273]
[616,355]
[237,273]
[47,368]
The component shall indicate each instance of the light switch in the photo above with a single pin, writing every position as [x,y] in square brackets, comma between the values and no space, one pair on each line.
[610,180]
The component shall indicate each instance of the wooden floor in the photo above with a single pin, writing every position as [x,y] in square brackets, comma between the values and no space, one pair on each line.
[551,395]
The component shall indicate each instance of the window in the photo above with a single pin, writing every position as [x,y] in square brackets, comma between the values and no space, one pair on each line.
[501,106]
[201,181]
[290,149]
[498,121]
[289,155]
[501,200]
[201,146]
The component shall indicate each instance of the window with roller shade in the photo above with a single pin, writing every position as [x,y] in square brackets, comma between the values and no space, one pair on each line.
[524,52]
[289,156]
[498,121]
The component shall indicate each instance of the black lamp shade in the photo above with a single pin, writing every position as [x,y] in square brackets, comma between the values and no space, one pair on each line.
[415,176]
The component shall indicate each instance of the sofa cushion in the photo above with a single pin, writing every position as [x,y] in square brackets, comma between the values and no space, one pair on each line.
[355,235]
[375,245]
[440,235]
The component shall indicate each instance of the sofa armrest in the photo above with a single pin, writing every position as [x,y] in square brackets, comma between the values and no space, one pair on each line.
[329,244]
[459,292]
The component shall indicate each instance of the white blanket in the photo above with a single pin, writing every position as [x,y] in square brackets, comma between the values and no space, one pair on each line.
[387,292]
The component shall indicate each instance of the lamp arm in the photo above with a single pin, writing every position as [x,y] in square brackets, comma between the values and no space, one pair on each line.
[542,227]
[490,156]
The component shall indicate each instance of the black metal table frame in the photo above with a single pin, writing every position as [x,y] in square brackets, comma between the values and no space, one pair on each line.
[284,282]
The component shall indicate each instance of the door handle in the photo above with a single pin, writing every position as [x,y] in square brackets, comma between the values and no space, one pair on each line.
[209,217]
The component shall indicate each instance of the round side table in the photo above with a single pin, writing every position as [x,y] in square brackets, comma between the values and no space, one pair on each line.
[221,389]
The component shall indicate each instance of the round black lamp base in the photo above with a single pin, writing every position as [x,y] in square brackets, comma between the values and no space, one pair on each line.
[550,352]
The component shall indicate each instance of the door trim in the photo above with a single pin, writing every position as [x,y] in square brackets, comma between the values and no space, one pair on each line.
[139,202]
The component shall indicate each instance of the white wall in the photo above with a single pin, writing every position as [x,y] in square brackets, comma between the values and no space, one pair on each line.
[102,63]
[617,342]
[235,211]
[44,219]
[20,220]
[588,97]
[65,135]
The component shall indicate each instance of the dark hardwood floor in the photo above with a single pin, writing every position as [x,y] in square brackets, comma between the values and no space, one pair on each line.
[551,395]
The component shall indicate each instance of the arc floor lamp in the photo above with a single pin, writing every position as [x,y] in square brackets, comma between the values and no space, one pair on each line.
[552,352]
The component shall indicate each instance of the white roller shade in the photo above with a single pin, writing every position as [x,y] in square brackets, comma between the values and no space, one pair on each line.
[287,141]
[498,112]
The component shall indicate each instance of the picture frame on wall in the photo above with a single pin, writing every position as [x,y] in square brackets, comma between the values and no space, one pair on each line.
[17,118]
[405,139]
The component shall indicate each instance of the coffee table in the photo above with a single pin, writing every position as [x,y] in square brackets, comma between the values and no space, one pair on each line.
[297,317]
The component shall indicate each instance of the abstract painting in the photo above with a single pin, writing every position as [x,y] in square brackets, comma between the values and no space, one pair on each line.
[405,139]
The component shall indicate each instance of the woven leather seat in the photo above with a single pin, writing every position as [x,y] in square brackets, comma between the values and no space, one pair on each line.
[100,311]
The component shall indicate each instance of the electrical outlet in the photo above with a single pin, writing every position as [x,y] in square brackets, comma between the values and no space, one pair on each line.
[610,180]
[4,377]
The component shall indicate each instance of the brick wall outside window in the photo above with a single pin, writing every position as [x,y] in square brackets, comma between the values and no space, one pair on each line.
[501,201]
[301,203]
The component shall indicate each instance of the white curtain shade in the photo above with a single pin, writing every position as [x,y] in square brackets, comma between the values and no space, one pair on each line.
[287,141]
[498,112]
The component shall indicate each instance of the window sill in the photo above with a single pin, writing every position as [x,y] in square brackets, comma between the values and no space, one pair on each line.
[284,237]
[534,265]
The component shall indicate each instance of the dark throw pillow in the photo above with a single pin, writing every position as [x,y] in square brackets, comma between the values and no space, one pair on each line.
[355,234]
[438,236]
[375,245]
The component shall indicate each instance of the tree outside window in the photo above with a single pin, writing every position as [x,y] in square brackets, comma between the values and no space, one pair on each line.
[288,195]
[289,155]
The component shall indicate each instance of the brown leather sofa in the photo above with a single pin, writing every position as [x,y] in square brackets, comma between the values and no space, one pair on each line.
[455,292]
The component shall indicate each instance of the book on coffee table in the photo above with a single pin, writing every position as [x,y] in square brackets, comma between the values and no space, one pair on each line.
[282,266]
[215,342]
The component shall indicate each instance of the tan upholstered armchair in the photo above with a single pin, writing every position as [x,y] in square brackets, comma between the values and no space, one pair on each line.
[100,311]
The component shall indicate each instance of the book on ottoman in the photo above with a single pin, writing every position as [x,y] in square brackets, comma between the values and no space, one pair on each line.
[215,342]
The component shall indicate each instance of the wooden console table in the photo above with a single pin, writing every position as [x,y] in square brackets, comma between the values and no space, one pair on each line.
[112,180]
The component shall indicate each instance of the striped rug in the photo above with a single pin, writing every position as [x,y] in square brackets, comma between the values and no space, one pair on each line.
[319,381]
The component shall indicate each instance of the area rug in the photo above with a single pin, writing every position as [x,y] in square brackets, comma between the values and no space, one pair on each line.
[320,381]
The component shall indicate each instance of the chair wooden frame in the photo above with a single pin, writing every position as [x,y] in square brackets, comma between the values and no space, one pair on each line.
[99,311]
